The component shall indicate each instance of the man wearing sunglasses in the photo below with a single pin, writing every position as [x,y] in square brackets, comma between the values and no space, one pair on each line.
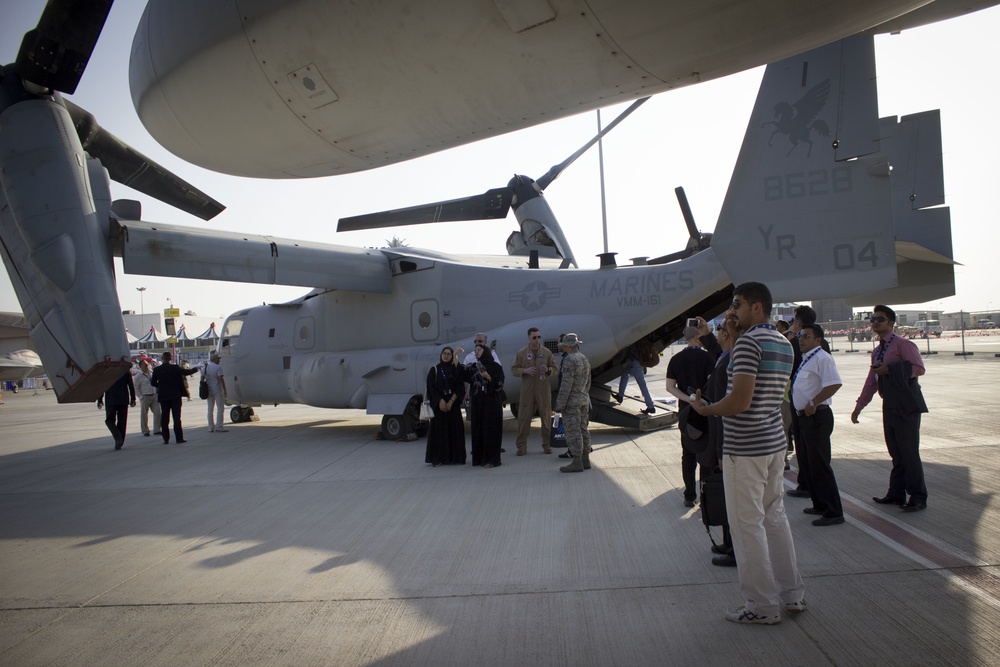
[896,365]
[534,364]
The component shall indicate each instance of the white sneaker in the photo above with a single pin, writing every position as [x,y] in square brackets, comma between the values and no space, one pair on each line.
[796,606]
[743,615]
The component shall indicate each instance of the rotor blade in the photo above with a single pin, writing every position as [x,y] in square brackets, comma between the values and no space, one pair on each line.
[129,167]
[554,172]
[491,204]
[686,212]
[56,52]
[672,257]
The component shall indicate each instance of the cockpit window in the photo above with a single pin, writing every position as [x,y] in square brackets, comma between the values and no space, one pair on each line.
[232,328]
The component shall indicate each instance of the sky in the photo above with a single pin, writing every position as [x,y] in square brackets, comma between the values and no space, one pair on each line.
[689,137]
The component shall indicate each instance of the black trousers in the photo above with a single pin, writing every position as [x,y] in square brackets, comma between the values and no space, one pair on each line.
[116,417]
[689,467]
[166,409]
[816,431]
[804,477]
[902,439]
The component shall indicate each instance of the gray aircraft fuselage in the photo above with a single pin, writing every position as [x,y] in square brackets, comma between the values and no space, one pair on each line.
[315,351]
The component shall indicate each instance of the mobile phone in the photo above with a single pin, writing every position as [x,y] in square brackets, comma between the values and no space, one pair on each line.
[693,322]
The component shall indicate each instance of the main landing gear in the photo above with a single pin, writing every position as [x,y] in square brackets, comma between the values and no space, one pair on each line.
[407,426]
[240,414]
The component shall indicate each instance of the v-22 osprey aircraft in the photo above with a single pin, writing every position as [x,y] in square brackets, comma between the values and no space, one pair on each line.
[811,211]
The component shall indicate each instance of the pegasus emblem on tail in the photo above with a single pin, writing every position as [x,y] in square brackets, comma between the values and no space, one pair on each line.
[800,123]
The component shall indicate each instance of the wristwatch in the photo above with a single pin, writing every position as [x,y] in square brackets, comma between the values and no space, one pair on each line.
[811,404]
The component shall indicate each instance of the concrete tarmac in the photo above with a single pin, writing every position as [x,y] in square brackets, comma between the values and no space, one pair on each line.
[303,540]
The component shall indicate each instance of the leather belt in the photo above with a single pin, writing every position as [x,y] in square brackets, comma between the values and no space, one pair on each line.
[802,413]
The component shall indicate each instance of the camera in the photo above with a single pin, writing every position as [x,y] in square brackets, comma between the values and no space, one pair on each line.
[692,322]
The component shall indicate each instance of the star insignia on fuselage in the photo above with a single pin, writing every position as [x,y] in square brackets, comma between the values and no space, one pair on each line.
[535,294]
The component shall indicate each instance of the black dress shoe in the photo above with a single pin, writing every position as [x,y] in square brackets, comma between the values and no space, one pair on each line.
[729,560]
[798,493]
[887,500]
[913,507]
[719,549]
[648,411]
[811,510]
[181,440]
[828,521]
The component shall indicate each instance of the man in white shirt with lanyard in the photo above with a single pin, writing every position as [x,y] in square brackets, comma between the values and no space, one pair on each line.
[813,385]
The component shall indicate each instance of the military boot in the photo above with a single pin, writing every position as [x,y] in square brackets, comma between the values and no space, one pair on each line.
[575,466]
[586,460]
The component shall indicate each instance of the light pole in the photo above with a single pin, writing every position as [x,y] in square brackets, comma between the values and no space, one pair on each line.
[142,312]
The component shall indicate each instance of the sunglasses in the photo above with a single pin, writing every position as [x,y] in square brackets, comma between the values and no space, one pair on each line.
[877,319]
[535,337]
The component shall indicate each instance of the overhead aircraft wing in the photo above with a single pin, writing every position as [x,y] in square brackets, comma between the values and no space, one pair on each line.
[154,249]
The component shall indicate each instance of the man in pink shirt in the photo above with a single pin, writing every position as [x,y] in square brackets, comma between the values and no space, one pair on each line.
[896,365]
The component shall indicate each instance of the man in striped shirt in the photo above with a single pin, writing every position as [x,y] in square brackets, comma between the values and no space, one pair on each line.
[753,461]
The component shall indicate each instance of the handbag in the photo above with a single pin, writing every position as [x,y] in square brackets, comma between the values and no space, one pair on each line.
[203,389]
[693,428]
[713,500]
[426,412]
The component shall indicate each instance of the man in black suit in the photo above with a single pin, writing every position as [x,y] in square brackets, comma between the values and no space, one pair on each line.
[116,401]
[169,382]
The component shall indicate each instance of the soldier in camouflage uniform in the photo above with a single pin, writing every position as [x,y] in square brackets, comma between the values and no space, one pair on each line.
[573,402]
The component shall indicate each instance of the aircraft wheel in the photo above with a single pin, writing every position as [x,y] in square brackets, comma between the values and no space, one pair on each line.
[396,427]
[236,415]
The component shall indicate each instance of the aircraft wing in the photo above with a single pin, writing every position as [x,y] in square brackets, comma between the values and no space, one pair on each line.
[15,366]
[155,249]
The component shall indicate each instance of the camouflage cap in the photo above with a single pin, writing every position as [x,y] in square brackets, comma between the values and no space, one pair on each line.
[571,340]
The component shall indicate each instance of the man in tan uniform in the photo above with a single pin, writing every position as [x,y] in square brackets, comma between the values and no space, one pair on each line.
[534,364]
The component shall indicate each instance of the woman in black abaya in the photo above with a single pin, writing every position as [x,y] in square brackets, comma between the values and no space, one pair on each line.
[445,390]
[485,378]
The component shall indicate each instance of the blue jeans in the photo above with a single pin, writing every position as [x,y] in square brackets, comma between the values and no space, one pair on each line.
[635,369]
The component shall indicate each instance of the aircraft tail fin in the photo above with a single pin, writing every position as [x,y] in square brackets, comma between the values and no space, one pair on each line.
[922,226]
[827,201]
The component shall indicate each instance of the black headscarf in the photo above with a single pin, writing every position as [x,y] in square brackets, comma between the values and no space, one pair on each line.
[485,360]
[447,369]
